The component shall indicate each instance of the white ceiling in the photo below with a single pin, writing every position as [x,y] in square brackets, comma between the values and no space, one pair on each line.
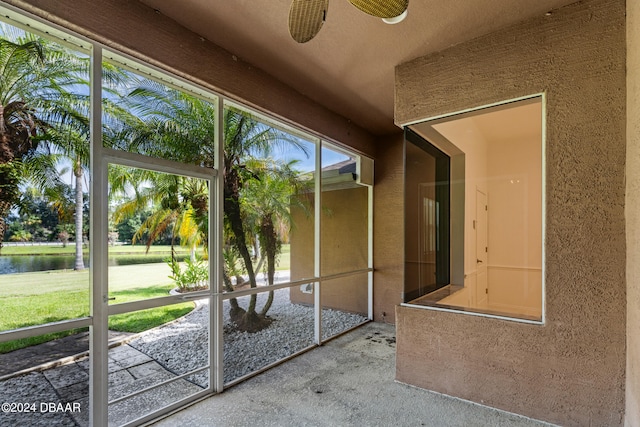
[470,131]
[349,66]
[517,122]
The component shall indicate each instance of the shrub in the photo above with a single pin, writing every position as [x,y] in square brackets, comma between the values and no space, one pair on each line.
[194,277]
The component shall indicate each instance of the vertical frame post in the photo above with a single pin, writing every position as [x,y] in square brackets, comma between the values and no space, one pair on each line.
[317,270]
[216,263]
[370,251]
[98,337]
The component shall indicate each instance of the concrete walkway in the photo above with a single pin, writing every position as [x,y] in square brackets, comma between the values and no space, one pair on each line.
[347,382]
[68,384]
[49,352]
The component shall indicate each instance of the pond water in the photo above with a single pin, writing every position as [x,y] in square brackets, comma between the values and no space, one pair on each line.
[28,263]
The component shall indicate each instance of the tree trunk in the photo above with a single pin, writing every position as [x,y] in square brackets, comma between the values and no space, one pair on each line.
[271,250]
[79,264]
[236,311]
[249,321]
[5,207]
[232,208]
[3,226]
[9,194]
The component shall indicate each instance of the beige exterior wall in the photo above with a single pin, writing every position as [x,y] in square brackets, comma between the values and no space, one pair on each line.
[388,229]
[343,248]
[632,211]
[571,370]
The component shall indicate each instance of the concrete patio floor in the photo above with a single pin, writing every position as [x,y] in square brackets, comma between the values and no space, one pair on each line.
[347,382]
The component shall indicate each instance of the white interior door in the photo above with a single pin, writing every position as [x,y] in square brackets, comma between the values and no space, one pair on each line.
[482,210]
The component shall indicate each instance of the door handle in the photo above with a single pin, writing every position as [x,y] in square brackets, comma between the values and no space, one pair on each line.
[478,260]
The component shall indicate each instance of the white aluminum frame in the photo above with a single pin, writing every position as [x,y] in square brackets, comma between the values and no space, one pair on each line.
[100,158]
[104,157]
[317,242]
[98,255]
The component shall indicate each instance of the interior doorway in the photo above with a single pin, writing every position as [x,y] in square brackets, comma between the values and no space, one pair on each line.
[482,255]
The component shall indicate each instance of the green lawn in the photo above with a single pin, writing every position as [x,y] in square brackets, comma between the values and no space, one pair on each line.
[28,299]
[284,260]
[36,298]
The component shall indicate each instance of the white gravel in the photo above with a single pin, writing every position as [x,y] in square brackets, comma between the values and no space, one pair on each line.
[183,346]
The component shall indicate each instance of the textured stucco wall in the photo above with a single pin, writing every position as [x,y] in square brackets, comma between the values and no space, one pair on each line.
[632,211]
[571,370]
[388,228]
[343,248]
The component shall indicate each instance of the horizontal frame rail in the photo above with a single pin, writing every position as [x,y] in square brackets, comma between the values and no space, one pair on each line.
[152,387]
[259,289]
[47,328]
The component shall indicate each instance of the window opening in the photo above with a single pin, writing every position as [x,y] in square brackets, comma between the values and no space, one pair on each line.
[427,185]
[491,236]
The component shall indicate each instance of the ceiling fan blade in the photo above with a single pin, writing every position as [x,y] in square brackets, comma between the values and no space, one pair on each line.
[381,8]
[306,18]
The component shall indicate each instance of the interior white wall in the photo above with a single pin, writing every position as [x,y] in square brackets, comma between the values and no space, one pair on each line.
[509,171]
[515,215]
[472,143]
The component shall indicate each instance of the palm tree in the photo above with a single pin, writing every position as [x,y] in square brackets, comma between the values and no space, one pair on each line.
[19,124]
[268,200]
[163,122]
[39,111]
[178,204]
[248,142]
[73,147]
[158,121]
